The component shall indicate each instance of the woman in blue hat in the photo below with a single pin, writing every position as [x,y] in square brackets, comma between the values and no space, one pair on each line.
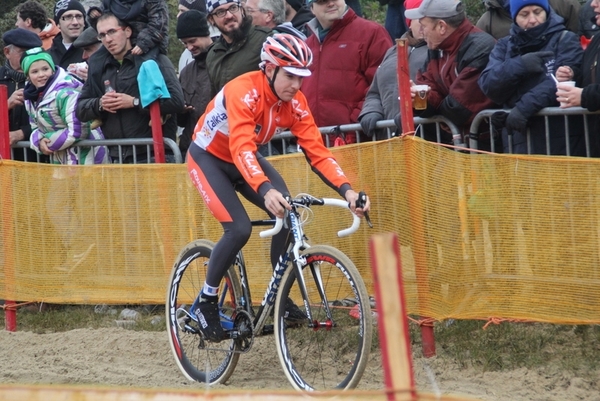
[519,77]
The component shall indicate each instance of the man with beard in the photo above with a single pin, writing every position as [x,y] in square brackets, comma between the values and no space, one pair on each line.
[193,32]
[237,50]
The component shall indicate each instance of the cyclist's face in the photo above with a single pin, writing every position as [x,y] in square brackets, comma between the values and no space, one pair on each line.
[286,85]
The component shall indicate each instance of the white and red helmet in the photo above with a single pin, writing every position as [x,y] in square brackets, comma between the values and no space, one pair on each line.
[288,52]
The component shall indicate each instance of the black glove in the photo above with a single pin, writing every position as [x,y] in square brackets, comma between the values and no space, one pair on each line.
[516,121]
[498,119]
[398,121]
[535,62]
[368,121]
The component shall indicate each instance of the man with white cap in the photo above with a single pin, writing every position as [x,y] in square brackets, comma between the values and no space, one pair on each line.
[458,53]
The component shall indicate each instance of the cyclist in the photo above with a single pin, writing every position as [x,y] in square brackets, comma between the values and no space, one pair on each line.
[223,159]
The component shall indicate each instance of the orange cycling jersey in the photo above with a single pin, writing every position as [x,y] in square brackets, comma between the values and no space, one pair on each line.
[246,113]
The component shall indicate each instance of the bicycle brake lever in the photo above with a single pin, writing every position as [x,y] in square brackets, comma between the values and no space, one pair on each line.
[368,220]
[360,202]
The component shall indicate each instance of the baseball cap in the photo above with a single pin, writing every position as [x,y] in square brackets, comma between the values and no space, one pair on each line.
[435,9]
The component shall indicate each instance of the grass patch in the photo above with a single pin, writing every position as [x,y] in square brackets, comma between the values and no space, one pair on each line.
[510,346]
[60,318]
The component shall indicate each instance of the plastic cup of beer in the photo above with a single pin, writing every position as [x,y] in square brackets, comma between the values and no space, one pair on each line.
[566,83]
[420,99]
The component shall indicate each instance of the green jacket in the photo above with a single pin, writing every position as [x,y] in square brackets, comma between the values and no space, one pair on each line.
[225,62]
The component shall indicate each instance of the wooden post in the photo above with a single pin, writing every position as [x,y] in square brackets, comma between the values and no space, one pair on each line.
[392,318]
[402,72]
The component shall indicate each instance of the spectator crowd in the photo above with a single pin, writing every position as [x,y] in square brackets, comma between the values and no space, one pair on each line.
[74,73]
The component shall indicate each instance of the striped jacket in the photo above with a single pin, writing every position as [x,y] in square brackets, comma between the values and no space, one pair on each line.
[53,117]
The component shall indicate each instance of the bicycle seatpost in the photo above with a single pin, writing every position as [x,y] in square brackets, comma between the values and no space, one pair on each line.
[360,203]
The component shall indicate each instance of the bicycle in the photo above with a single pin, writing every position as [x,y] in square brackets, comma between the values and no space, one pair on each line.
[329,350]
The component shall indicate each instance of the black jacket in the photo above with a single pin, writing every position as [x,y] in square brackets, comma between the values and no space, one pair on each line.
[63,57]
[133,122]
[195,84]
[303,15]
[17,117]
[225,62]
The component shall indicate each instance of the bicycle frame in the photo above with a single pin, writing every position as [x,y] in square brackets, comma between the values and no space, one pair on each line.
[297,244]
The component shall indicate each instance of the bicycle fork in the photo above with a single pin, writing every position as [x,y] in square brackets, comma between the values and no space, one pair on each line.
[299,262]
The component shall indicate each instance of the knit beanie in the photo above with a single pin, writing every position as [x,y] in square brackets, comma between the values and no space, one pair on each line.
[33,55]
[212,4]
[199,5]
[517,5]
[62,6]
[192,24]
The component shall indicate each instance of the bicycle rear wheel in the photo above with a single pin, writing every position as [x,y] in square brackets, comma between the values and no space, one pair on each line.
[332,353]
[204,362]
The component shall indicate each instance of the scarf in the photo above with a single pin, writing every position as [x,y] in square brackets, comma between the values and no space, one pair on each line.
[14,75]
[530,40]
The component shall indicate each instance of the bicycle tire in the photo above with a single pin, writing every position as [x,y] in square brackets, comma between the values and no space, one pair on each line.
[333,357]
[185,282]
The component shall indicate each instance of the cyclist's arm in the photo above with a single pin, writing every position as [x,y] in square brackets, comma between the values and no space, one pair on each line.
[319,157]
[243,149]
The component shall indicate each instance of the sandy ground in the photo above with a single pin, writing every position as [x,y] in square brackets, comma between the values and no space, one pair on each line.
[120,357]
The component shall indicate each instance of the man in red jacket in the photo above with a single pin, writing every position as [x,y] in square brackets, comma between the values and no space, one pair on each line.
[347,50]
[458,53]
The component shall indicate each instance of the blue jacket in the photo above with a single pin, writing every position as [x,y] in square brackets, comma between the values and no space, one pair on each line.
[506,81]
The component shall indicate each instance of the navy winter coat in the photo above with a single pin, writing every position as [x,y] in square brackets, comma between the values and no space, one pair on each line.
[506,81]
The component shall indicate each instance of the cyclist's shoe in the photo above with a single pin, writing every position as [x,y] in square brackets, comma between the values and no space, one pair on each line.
[206,314]
[293,314]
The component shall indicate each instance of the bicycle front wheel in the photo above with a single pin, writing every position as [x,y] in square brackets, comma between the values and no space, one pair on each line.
[332,351]
[204,362]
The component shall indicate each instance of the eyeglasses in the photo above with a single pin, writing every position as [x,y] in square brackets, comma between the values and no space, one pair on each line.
[234,8]
[110,32]
[250,10]
[323,2]
[70,17]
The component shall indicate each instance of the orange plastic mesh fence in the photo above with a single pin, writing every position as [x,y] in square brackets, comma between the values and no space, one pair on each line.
[481,235]
[72,393]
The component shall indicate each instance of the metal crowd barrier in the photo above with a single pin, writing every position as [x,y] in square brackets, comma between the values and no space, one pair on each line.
[281,143]
[484,117]
[20,148]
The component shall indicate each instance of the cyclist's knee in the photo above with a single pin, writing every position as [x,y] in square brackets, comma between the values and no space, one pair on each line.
[239,233]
